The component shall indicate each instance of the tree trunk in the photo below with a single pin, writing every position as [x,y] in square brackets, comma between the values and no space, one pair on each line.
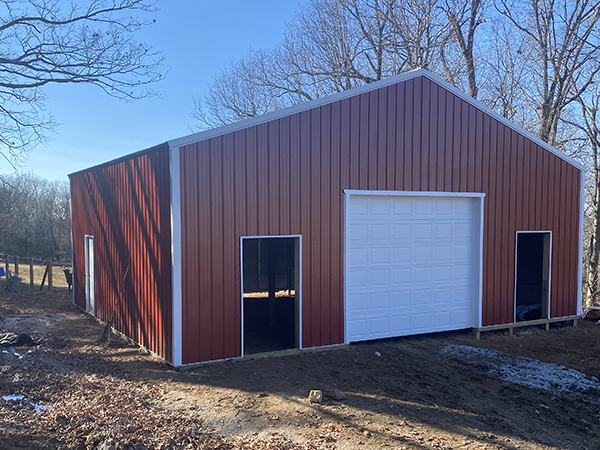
[594,250]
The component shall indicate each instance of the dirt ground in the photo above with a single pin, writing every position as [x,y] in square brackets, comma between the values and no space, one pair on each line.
[403,393]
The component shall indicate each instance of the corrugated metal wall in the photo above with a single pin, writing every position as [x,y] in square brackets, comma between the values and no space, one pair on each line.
[125,205]
[287,177]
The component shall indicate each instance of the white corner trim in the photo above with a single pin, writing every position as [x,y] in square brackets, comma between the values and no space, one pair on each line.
[581,219]
[176,266]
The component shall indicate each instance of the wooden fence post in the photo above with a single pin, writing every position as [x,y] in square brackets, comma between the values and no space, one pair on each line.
[50,275]
[7,267]
[16,265]
[31,273]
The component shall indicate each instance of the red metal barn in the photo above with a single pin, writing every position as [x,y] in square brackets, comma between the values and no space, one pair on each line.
[400,207]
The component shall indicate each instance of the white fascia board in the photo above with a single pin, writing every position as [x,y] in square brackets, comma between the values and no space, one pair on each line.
[204,135]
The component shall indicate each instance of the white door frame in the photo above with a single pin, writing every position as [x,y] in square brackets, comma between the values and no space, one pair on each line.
[549,233]
[478,252]
[298,281]
[90,302]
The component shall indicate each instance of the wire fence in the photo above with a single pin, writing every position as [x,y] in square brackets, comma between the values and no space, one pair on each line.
[34,273]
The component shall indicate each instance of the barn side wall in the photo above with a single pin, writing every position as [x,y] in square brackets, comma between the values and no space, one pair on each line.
[287,177]
[125,205]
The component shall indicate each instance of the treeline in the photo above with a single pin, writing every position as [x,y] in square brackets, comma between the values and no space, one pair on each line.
[35,217]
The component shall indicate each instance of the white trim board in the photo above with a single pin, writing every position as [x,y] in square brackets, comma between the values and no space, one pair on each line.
[580,267]
[176,267]
[204,135]
[414,193]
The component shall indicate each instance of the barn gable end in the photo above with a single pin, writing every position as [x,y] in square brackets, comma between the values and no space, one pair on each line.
[287,175]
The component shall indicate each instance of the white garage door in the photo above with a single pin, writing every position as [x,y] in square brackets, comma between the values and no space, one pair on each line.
[412,265]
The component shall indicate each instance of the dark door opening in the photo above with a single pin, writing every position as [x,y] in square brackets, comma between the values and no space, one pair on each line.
[271,295]
[532,276]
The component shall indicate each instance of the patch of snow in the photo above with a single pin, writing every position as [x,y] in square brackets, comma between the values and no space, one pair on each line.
[38,408]
[524,371]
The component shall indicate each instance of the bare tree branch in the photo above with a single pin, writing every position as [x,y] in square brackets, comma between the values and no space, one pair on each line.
[46,42]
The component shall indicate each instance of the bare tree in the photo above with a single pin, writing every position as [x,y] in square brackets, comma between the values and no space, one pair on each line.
[35,217]
[51,41]
[329,46]
[464,17]
[560,49]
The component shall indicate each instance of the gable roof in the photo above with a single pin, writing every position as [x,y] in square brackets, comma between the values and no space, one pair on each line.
[213,132]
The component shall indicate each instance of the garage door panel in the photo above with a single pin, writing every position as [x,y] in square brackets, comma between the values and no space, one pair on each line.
[424,231]
[400,300]
[379,232]
[380,255]
[443,274]
[402,232]
[380,206]
[359,232]
[411,271]
[401,324]
[401,276]
[358,279]
[444,207]
[421,274]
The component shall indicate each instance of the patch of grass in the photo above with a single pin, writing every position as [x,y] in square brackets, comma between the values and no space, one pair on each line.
[58,277]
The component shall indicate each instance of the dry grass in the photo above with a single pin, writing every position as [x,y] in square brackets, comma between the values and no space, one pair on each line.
[58,277]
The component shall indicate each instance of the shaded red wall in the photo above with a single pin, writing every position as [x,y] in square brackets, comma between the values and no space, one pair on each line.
[287,177]
[125,205]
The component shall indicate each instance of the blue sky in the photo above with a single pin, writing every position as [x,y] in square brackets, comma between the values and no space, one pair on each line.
[197,38]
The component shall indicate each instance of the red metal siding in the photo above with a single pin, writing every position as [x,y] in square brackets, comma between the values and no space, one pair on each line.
[287,177]
[125,205]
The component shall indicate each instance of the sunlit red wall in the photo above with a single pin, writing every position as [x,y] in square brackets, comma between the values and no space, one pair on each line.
[287,176]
